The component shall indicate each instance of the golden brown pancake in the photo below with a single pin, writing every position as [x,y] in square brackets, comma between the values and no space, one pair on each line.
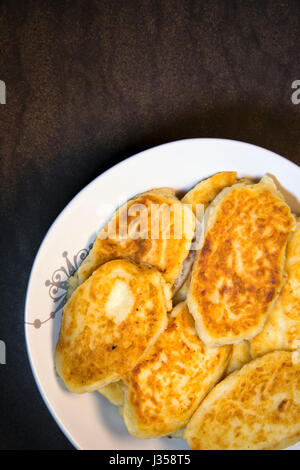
[167,385]
[158,232]
[282,329]
[238,272]
[109,323]
[241,354]
[205,191]
[257,407]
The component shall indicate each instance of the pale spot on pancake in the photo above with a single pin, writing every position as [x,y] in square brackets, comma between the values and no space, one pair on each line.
[120,302]
[107,325]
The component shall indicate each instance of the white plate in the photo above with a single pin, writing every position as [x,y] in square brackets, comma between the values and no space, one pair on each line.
[88,420]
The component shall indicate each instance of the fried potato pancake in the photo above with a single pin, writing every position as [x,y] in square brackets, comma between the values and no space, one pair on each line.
[109,323]
[165,388]
[153,228]
[257,407]
[239,269]
[282,329]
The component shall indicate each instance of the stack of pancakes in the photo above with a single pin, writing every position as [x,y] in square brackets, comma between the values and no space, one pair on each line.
[194,335]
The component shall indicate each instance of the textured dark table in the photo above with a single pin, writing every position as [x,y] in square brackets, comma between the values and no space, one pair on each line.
[91,82]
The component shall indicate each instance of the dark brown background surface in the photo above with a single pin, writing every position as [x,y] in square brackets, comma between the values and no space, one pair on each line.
[92,82]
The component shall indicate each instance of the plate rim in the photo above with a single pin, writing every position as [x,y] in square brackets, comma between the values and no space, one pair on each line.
[65,431]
